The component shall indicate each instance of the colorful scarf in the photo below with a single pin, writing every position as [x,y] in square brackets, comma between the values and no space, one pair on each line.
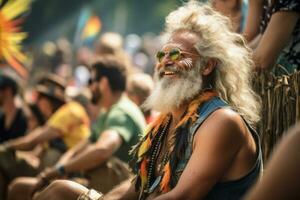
[144,149]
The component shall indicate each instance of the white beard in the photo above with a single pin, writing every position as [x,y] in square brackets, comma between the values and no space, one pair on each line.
[170,93]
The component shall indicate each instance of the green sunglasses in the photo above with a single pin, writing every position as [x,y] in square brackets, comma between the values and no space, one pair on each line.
[174,54]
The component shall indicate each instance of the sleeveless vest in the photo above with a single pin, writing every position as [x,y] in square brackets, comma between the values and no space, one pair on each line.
[229,190]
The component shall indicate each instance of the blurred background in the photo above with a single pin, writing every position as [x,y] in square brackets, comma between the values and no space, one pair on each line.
[50,20]
[62,35]
[65,37]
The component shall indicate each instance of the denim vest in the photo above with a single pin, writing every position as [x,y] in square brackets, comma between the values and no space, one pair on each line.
[229,190]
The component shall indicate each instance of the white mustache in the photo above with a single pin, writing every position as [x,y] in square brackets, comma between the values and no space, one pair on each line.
[168,69]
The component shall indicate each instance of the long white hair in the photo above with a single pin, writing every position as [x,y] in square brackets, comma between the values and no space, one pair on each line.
[218,41]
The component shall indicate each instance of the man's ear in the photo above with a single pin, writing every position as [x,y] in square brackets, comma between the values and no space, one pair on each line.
[209,67]
[104,82]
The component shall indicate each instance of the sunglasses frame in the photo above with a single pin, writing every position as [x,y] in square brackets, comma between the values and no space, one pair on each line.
[168,53]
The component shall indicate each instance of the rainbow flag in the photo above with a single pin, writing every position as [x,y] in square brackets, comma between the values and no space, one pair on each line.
[88,27]
[92,28]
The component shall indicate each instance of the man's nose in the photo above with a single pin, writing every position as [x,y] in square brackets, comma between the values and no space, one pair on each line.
[165,62]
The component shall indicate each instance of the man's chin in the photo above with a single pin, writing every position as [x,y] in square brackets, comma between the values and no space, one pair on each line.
[167,82]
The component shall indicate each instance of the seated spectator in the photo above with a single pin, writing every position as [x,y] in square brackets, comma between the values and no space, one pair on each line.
[12,119]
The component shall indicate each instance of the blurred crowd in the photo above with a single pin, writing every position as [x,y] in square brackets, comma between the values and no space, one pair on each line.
[61,108]
[82,108]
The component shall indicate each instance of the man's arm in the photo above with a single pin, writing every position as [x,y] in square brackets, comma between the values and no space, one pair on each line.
[51,173]
[37,136]
[95,154]
[275,38]
[253,19]
[124,191]
[216,145]
[90,157]
[66,157]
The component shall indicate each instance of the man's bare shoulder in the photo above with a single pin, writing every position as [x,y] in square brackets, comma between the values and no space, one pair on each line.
[225,125]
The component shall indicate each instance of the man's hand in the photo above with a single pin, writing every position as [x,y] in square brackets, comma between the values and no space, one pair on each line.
[38,185]
[50,173]
[4,147]
[44,178]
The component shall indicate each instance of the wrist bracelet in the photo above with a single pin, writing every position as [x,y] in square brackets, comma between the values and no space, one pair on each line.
[91,195]
[61,169]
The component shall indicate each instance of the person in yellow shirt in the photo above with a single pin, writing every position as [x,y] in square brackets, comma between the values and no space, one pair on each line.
[72,122]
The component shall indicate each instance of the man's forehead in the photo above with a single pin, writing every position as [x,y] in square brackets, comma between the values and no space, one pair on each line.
[173,44]
[182,39]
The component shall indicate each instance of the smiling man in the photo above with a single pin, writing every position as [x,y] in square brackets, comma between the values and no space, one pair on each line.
[202,145]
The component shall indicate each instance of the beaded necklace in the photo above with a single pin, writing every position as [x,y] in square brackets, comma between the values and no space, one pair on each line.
[158,146]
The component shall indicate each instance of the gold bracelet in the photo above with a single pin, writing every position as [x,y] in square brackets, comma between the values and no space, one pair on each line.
[91,195]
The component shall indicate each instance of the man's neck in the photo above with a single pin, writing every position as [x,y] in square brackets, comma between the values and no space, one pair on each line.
[110,99]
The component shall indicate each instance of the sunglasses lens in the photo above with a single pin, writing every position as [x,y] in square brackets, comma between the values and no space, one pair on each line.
[160,55]
[174,54]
